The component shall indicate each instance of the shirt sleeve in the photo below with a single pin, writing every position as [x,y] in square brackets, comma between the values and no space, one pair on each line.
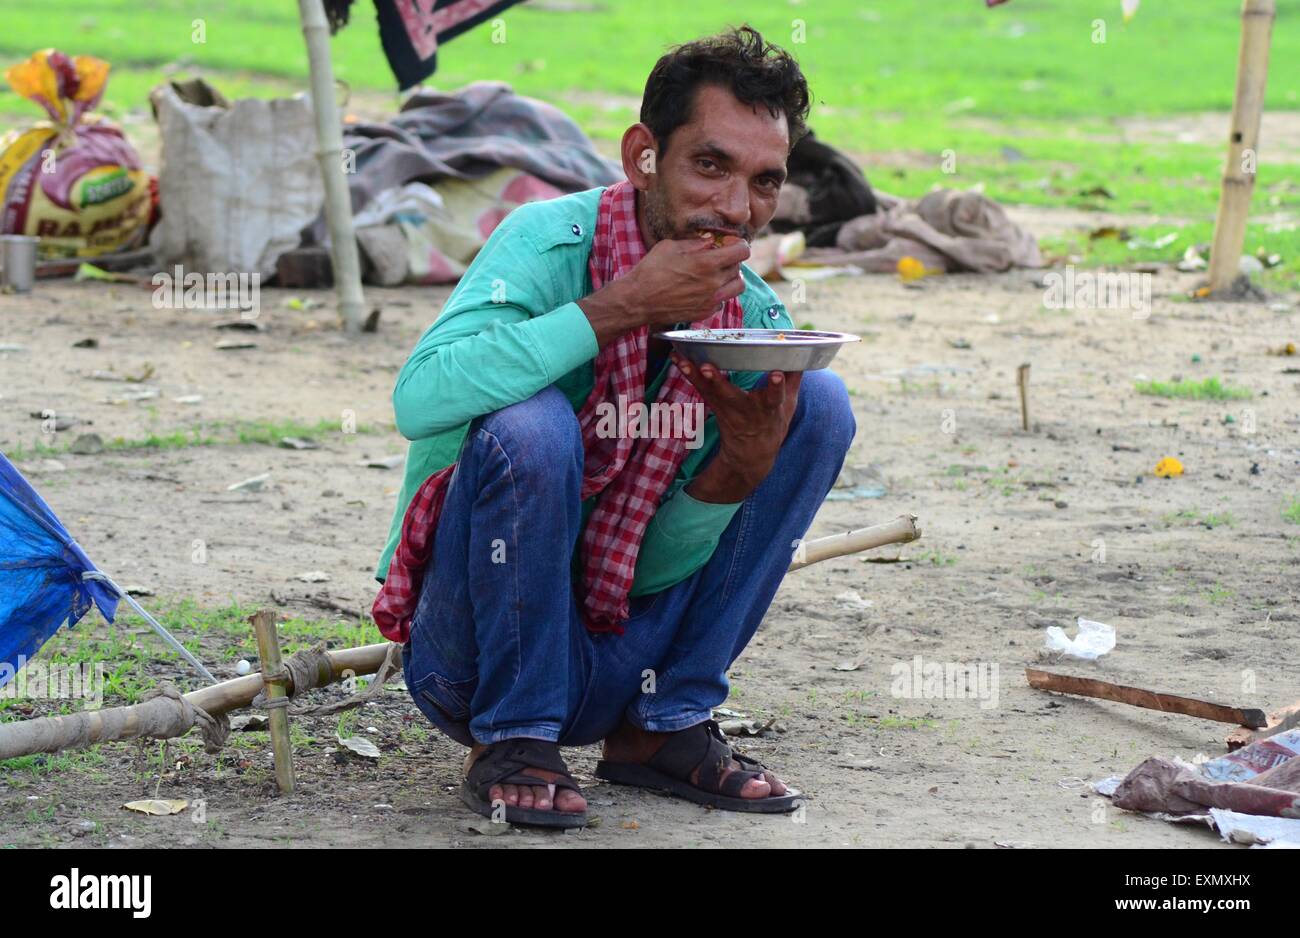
[497,342]
[679,540]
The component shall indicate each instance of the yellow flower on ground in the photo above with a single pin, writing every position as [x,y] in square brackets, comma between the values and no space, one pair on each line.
[1169,467]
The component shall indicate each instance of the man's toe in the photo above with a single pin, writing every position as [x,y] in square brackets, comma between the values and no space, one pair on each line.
[756,788]
[570,802]
[778,786]
[541,798]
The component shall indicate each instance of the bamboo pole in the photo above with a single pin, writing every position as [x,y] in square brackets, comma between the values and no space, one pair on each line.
[274,678]
[160,718]
[329,152]
[1239,172]
[899,531]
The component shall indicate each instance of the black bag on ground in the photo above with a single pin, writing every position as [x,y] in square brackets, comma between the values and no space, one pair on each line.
[824,189]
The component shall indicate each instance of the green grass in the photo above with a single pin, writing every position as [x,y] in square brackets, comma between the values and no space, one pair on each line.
[1209,519]
[128,648]
[1291,510]
[1209,389]
[213,433]
[1030,106]
[1272,238]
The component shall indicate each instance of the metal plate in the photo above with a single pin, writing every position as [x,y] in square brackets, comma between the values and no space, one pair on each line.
[759,349]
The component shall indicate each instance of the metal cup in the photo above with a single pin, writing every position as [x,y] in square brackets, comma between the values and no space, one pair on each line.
[18,255]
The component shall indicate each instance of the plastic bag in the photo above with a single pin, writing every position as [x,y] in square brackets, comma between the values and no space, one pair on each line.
[1093,641]
[74,180]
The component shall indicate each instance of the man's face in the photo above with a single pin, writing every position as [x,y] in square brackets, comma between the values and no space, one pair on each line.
[722,170]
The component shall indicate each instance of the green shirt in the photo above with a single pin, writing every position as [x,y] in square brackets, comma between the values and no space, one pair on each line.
[511,328]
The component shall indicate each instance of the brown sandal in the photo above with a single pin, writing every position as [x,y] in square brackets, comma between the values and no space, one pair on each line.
[700,747]
[508,763]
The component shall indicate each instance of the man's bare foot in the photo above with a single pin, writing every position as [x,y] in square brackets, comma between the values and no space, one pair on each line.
[531,796]
[630,743]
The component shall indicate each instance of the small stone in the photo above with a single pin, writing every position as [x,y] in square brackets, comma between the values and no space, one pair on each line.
[88,444]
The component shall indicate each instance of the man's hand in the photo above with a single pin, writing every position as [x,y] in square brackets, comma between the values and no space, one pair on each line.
[677,281]
[752,425]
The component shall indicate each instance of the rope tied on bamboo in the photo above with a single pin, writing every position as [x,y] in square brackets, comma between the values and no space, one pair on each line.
[304,670]
[213,729]
[388,669]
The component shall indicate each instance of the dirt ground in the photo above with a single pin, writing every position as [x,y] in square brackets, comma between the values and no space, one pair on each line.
[1022,530]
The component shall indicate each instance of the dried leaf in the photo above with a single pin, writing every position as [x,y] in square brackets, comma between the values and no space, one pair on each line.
[157,806]
[361,746]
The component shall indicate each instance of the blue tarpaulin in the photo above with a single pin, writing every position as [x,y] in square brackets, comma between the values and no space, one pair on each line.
[41,567]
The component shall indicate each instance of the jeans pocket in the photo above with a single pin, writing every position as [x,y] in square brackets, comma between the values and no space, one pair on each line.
[638,606]
[451,697]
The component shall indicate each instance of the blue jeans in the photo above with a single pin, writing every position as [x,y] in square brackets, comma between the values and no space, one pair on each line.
[498,648]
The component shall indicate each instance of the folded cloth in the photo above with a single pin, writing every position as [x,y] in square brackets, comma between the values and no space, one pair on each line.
[628,475]
[945,230]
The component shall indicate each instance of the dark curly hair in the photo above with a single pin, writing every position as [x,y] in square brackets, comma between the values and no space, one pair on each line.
[754,70]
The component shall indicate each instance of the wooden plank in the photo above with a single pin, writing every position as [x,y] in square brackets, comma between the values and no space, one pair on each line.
[1140,697]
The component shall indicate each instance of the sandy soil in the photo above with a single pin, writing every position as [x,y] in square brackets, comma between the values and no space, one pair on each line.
[1199,577]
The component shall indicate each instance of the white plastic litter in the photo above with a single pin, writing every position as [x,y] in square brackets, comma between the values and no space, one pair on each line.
[1256,829]
[1093,641]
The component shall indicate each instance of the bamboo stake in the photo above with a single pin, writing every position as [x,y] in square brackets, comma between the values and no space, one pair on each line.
[1239,178]
[1022,382]
[329,142]
[899,531]
[274,678]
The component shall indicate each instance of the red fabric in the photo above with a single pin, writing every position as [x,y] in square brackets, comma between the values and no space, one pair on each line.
[630,475]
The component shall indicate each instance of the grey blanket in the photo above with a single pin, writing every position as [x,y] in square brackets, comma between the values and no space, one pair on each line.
[469,133]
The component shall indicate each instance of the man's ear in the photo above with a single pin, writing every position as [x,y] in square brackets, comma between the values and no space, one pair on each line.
[640,154]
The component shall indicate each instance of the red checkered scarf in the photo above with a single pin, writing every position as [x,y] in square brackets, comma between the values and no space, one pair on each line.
[627,500]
